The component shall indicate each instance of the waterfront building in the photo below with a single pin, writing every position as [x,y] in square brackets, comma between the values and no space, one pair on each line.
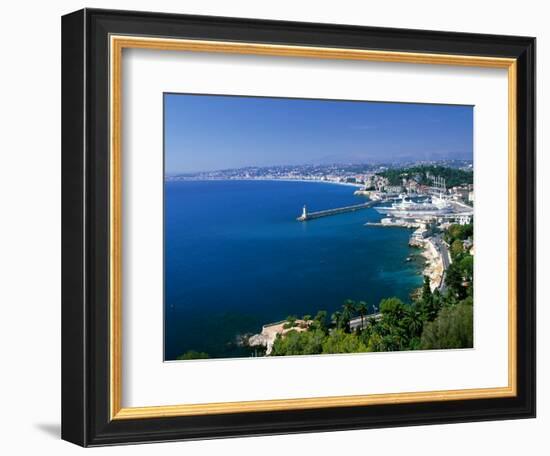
[420,233]
[461,193]
[394,189]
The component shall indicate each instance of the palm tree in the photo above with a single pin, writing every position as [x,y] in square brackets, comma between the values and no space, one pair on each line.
[413,322]
[349,306]
[337,319]
[362,308]
[347,312]
[373,324]
[306,321]
[321,320]
[290,322]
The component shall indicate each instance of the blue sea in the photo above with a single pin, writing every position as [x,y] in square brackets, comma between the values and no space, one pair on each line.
[236,258]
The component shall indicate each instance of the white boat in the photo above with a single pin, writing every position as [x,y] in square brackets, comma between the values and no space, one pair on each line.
[408,208]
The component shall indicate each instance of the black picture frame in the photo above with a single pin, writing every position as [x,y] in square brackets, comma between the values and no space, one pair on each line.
[85,225]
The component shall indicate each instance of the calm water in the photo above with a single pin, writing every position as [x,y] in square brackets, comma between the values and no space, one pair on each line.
[236,258]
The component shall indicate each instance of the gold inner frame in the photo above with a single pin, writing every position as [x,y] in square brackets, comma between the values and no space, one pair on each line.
[117,44]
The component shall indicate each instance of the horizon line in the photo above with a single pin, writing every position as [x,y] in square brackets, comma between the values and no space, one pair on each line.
[413,163]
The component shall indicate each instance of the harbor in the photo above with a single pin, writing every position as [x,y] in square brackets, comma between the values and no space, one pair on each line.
[429,211]
[430,217]
[352,255]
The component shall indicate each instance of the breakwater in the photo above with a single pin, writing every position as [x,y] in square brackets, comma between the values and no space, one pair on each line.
[338,210]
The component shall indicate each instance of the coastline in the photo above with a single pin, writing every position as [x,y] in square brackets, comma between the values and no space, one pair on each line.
[434,268]
[327,196]
[318,181]
[270,331]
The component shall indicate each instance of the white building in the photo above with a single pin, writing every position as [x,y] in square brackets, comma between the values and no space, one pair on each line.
[464,219]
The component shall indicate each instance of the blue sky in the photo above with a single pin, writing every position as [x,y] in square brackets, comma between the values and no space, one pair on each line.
[205,132]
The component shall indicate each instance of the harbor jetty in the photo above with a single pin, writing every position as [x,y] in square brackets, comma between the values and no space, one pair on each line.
[338,210]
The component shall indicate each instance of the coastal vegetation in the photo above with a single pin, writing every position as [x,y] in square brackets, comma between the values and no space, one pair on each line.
[460,274]
[438,319]
[192,354]
[432,320]
[451,329]
[421,174]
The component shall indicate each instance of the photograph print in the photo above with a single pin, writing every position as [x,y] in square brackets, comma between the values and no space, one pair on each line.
[316,227]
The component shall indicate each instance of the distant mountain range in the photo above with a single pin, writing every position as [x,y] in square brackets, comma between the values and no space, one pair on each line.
[361,158]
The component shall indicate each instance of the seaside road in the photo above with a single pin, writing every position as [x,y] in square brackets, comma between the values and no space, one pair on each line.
[443,250]
[445,258]
[355,323]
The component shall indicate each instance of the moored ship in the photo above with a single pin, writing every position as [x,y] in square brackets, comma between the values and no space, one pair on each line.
[408,208]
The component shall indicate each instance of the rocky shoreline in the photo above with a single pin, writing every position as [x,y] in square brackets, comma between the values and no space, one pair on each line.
[270,331]
[433,268]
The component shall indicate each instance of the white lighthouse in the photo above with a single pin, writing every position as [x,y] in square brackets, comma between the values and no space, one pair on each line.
[304,213]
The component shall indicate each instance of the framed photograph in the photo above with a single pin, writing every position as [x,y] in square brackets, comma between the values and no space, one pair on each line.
[276,227]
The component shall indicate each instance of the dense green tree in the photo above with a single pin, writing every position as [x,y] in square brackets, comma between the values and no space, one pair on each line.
[313,343]
[427,304]
[456,248]
[375,342]
[320,321]
[387,339]
[306,318]
[290,322]
[413,322]
[392,309]
[453,279]
[426,295]
[414,344]
[349,306]
[341,342]
[390,332]
[362,309]
[192,354]
[466,265]
[452,176]
[459,232]
[371,327]
[437,298]
[337,319]
[453,328]
[348,312]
